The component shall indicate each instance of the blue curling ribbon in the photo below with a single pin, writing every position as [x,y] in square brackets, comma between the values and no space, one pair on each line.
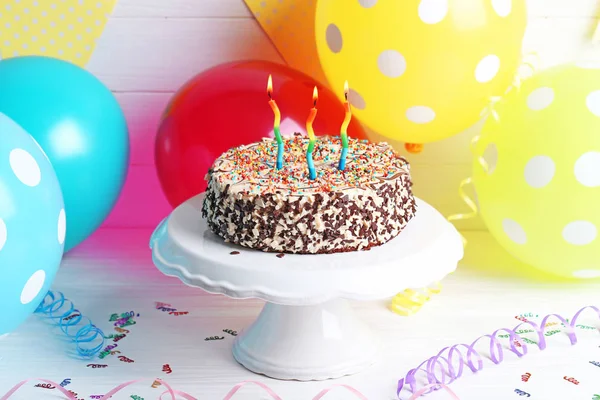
[61,311]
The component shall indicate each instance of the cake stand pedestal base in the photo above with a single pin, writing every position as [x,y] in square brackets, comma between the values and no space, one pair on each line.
[307,330]
[305,343]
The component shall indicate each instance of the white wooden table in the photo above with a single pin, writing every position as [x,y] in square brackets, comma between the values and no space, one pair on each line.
[113,273]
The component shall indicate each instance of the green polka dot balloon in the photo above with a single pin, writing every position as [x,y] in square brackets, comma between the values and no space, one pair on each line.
[537,171]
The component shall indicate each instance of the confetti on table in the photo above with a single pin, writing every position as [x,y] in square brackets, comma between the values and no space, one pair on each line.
[215,338]
[178,313]
[97,365]
[522,393]
[168,308]
[572,380]
[161,304]
[167,369]
[290,25]
[155,384]
[44,385]
[61,29]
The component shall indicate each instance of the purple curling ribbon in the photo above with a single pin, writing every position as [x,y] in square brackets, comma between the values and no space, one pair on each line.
[449,364]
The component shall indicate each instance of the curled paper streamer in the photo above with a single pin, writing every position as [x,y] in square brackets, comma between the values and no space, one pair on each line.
[56,386]
[449,364]
[61,29]
[172,392]
[410,301]
[61,311]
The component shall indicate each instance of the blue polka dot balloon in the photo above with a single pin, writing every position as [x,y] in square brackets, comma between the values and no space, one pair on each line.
[32,224]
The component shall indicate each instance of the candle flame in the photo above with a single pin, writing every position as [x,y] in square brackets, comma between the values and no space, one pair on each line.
[270,86]
[315,96]
[346,90]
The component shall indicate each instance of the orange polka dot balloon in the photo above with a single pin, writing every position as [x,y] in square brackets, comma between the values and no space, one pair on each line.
[420,70]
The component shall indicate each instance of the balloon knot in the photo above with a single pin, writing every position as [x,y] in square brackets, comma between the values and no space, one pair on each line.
[414,148]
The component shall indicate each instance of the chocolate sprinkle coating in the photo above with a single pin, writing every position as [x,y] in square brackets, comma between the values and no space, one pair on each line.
[365,206]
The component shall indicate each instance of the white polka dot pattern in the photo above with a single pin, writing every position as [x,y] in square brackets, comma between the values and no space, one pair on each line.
[593,102]
[587,169]
[487,69]
[391,63]
[580,233]
[433,11]
[66,30]
[33,286]
[25,168]
[356,99]
[502,7]
[420,114]
[3,233]
[539,171]
[334,38]
[367,3]
[514,231]
[540,98]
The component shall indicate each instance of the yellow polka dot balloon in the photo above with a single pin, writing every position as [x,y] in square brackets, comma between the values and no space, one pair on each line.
[537,171]
[420,70]
[64,29]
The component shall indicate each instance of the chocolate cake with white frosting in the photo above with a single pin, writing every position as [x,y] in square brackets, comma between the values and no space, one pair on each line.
[251,203]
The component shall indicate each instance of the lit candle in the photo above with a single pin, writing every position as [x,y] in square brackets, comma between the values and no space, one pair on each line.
[311,136]
[276,123]
[347,117]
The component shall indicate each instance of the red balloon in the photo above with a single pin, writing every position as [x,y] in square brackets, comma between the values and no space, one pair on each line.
[227,106]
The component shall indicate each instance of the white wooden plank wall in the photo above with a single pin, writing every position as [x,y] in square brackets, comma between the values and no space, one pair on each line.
[151,47]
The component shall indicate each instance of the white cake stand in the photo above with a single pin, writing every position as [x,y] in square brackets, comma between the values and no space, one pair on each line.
[306,330]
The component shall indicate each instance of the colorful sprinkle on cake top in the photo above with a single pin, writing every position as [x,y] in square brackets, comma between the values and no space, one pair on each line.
[251,168]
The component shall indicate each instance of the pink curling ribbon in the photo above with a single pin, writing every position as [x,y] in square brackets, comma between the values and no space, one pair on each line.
[350,388]
[274,395]
[178,393]
[450,361]
[244,383]
[56,386]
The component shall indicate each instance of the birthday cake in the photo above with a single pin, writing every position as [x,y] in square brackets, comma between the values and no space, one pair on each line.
[252,203]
